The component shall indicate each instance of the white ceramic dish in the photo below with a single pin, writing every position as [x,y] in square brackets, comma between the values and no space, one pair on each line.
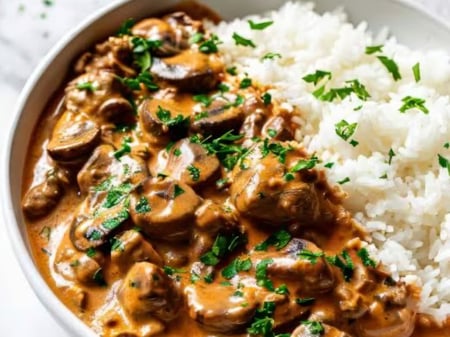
[411,25]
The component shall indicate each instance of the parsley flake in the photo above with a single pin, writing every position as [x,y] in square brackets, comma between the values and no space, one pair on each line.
[242,41]
[374,49]
[416,72]
[194,172]
[413,103]
[363,254]
[391,66]
[278,240]
[259,25]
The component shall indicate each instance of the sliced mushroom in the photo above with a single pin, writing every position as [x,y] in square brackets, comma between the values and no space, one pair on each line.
[132,247]
[170,212]
[304,330]
[277,128]
[147,290]
[189,70]
[386,322]
[262,192]
[117,110]
[191,164]
[42,198]
[313,277]
[173,107]
[224,312]
[93,226]
[102,165]
[73,138]
[256,113]
[222,115]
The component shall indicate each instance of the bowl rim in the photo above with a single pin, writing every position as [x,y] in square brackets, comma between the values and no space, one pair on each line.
[63,316]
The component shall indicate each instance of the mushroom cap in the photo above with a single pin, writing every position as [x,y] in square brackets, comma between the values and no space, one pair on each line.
[172,212]
[73,137]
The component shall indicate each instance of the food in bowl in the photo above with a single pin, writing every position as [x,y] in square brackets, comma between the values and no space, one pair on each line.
[183,182]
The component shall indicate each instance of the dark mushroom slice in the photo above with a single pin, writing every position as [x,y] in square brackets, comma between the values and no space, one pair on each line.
[225,312]
[73,138]
[262,192]
[223,115]
[131,247]
[277,128]
[167,116]
[92,227]
[314,276]
[148,291]
[256,113]
[189,70]
[103,165]
[184,25]
[190,163]
[170,212]
[42,198]
[307,329]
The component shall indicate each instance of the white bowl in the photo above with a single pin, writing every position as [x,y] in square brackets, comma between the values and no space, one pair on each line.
[411,25]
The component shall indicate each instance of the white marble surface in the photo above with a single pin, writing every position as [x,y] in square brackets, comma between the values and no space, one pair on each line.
[28,29]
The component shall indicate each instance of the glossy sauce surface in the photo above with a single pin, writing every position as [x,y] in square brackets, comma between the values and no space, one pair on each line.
[165,195]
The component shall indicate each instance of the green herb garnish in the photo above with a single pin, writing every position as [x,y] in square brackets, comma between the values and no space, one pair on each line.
[242,41]
[413,103]
[259,25]
[391,66]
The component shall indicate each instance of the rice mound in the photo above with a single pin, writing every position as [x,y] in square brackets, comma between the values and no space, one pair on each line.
[404,205]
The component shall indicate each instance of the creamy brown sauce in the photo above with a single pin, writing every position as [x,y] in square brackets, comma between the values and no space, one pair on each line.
[136,228]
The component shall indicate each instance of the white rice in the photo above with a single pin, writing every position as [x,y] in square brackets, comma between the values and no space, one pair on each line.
[408,213]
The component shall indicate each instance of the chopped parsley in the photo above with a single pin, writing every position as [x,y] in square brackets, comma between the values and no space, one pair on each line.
[345,129]
[125,27]
[222,246]
[242,41]
[201,115]
[416,72]
[278,240]
[261,274]
[447,145]
[48,3]
[225,148]
[116,195]
[210,46]
[272,133]
[177,191]
[116,221]
[232,71]
[444,163]
[413,103]
[87,86]
[142,49]
[245,83]
[267,98]
[391,155]
[317,76]
[124,149]
[391,67]
[91,252]
[315,328]
[177,152]
[276,149]
[344,181]
[165,116]
[204,99]
[235,267]
[344,263]
[363,254]
[374,49]
[305,301]
[259,25]
[352,86]
[312,257]
[329,165]
[282,290]
[196,38]
[171,271]
[262,324]
[135,83]
[143,206]
[302,164]
[117,245]
[270,56]
[194,172]
[354,143]
[223,87]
